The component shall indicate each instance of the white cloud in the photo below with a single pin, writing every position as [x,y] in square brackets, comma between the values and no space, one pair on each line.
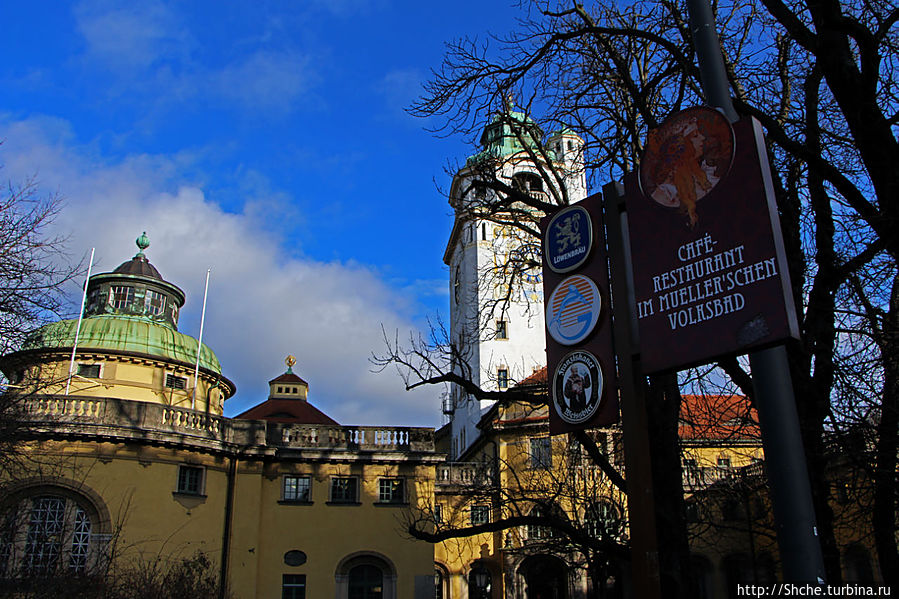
[263,304]
[131,35]
[156,58]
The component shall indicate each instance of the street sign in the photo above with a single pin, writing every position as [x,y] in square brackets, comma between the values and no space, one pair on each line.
[573,310]
[710,272]
[579,355]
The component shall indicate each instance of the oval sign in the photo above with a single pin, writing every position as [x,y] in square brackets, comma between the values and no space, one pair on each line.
[294,557]
[577,387]
[573,310]
[568,239]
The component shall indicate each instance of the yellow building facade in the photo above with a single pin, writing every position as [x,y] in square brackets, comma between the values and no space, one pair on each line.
[130,461]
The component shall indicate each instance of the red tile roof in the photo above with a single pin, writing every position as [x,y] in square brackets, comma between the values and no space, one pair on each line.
[295,411]
[717,417]
[288,377]
[538,378]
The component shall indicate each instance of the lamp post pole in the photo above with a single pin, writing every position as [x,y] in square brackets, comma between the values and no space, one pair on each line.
[791,496]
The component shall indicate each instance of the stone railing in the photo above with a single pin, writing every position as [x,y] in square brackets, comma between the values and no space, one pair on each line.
[366,438]
[464,473]
[141,420]
[697,478]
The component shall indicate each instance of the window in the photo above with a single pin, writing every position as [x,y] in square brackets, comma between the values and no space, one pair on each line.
[602,520]
[293,586]
[344,489]
[438,514]
[120,296]
[366,581]
[190,480]
[154,302]
[538,532]
[541,453]
[480,514]
[89,371]
[502,331]
[47,534]
[391,490]
[175,382]
[724,462]
[502,378]
[296,488]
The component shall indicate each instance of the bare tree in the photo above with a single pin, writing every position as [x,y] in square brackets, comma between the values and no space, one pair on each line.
[34,271]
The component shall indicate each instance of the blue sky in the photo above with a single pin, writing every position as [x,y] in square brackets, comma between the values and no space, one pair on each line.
[264,140]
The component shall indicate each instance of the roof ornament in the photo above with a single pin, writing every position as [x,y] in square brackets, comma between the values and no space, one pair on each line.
[143,242]
[290,361]
[509,101]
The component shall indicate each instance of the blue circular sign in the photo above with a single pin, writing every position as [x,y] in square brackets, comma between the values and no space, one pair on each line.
[573,310]
[568,239]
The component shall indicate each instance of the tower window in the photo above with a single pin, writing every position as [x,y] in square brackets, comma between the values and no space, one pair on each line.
[89,371]
[501,329]
[121,296]
[175,382]
[154,302]
[484,231]
[502,378]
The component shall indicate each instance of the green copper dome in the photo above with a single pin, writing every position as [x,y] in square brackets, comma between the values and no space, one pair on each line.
[123,335]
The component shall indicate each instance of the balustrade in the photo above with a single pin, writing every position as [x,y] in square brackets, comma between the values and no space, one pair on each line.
[147,417]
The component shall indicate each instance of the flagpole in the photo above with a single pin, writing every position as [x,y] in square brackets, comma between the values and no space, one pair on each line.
[193,399]
[90,263]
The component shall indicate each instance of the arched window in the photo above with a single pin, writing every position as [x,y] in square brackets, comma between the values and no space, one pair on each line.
[441,582]
[366,581]
[603,519]
[527,182]
[48,531]
[366,575]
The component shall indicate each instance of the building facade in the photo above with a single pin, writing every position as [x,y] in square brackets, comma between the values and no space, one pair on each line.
[131,461]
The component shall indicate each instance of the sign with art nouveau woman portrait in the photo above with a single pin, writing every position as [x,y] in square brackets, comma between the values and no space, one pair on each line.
[710,272]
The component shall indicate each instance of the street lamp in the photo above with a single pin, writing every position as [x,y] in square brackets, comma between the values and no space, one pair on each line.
[481,579]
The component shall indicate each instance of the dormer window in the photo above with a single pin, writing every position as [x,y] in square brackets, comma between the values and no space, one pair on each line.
[121,296]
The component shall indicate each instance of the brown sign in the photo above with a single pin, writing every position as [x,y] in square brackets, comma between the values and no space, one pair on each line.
[580,360]
[710,273]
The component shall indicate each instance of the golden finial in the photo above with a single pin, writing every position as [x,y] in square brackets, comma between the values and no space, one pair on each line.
[290,361]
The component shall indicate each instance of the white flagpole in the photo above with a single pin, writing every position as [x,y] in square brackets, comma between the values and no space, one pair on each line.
[193,400]
[80,318]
